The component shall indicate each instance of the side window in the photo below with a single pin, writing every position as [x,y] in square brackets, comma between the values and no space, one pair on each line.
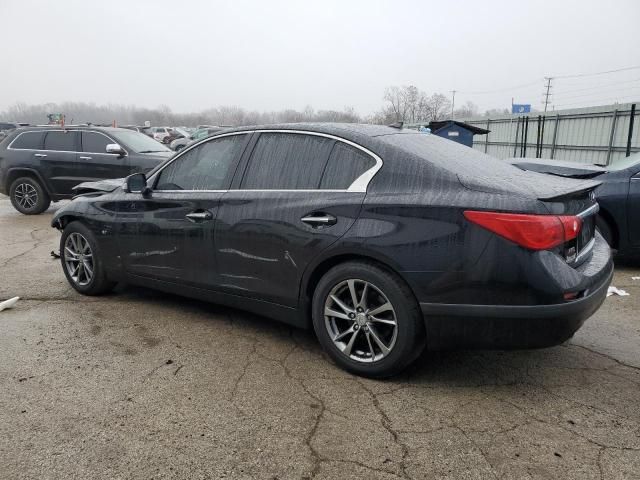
[62,141]
[346,164]
[206,167]
[28,140]
[287,161]
[94,142]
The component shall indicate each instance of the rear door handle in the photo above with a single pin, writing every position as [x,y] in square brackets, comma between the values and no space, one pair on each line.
[40,155]
[198,216]
[319,219]
[85,158]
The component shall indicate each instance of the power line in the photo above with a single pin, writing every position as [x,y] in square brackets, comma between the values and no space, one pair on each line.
[598,73]
[595,87]
[582,95]
[486,92]
[615,99]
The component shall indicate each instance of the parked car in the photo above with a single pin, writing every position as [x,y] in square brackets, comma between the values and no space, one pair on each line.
[135,128]
[42,164]
[161,134]
[180,143]
[618,196]
[175,133]
[8,126]
[386,240]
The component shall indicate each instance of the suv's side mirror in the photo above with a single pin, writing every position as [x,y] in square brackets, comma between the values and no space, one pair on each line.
[115,149]
[137,183]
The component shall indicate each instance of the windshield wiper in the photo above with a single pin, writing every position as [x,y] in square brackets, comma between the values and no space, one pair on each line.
[151,151]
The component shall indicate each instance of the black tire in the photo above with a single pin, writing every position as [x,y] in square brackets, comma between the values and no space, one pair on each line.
[99,283]
[605,230]
[28,196]
[409,323]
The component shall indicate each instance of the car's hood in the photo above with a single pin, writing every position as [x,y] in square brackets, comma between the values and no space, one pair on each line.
[108,185]
[559,168]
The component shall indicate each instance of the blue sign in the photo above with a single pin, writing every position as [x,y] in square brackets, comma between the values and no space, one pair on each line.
[521,108]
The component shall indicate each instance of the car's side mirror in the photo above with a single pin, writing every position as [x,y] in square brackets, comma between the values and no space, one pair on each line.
[115,149]
[137,183]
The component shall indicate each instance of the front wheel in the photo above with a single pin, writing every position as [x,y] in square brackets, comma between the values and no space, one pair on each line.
[81,261]
[367,319]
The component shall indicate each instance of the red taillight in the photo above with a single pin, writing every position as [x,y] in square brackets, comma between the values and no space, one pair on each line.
[536,232]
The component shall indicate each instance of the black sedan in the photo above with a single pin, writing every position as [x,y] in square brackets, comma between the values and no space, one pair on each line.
[618,196]
[385,240]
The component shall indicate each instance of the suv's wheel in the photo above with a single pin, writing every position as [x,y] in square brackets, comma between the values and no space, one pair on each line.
[28,196]
[81,261]
[367,319]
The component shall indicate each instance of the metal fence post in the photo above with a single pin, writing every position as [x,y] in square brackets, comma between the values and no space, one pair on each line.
[630,135]
[515,143]
[612,135]
[555,136]
[486,140]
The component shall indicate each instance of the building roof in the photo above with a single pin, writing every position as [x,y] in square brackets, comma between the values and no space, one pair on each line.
[437,125]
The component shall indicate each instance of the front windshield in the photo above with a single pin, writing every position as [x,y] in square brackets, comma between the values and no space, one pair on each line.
[139,143]
[624,163]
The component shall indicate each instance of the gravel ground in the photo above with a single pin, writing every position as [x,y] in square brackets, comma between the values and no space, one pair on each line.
[139,384]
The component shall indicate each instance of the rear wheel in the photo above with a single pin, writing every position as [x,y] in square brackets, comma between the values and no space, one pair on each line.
[28,196]
[367,319]
[81,260]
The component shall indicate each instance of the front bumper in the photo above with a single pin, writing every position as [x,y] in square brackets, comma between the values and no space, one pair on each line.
[521,326]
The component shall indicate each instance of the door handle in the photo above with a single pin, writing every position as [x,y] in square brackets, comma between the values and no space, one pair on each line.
[40,155]
[319,220]
[199,216]
[85,158]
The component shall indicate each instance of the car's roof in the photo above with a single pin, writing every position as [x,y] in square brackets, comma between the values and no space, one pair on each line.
[338,129]
[69,127]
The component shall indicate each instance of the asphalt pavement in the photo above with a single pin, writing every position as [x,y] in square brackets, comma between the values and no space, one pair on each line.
[139,384]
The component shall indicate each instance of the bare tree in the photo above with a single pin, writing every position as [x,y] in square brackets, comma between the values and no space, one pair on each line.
[468,110]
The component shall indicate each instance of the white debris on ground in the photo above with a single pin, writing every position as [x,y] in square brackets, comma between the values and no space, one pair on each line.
[616,291]
[635,278]
[8,303]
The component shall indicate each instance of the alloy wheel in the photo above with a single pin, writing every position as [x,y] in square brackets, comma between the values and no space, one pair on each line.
[360,320]
[26,195]
[78,259]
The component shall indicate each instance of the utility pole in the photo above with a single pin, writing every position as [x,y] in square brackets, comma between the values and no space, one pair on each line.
[547,92]
[453,102]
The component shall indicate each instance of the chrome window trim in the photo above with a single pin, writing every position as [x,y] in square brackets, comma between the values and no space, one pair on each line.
[359,185]
[18,136]
[179,154]
[108,137]
[9,147]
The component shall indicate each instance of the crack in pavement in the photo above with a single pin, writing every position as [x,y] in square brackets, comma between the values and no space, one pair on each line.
[613,359]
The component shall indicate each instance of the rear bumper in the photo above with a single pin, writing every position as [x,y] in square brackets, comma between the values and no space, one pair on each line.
[519,326]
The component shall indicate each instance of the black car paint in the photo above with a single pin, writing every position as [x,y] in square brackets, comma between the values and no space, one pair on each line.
[256,255]
[60,171]
[618,197]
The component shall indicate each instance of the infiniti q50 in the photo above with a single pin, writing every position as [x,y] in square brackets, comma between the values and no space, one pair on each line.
[385,241]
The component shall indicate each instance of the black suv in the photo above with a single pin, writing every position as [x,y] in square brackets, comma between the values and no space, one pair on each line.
[41,164]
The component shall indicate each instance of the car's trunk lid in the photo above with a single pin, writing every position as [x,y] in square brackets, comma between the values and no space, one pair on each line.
[559,168]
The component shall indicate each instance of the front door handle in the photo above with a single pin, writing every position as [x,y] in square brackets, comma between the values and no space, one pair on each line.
[40,155]
[199,216]
[319,219]
[85,158]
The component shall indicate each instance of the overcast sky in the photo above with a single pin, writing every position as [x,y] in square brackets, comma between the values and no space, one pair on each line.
[271,55]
